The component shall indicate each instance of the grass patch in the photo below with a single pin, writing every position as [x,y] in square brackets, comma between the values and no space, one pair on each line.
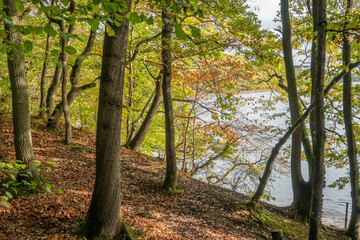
[291,229]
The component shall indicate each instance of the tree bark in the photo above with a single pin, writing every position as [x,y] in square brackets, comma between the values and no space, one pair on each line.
[318,176]
[104,218]
[171,168]
[354,225]
[19,90]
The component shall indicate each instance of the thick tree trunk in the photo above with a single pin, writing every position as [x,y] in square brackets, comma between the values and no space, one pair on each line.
[318,176]
[354,226]
[140,135]
[171,168]
[104,218]
[301,195]
[43,78]
[19,90]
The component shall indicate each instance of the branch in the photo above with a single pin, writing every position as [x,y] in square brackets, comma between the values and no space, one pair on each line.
[138,45]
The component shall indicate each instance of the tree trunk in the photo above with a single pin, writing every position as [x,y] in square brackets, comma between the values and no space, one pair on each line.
[140,135]
[43,78]
[68,131]
[19,90]
[301,195]
[171,168]
[320,25]
[354,226]
[50,98]
[275,151]
[104,218]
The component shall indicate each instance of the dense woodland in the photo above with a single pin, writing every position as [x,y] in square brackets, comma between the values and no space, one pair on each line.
[165,78]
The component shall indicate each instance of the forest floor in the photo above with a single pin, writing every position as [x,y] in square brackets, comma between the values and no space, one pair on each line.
[195,211]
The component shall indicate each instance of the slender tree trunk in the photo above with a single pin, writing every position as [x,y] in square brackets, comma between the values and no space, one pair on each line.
[140,135]
[68,131]
[320,25]
[129,132]
[171,168]
[354,226]
[19,90]
[301,194]
[43,78]
[50,97]
[104,218]
[275,151]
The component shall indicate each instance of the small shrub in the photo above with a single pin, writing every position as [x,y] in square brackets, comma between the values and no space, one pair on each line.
[20,182]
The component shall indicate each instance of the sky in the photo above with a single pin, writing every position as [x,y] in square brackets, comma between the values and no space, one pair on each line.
[266,12]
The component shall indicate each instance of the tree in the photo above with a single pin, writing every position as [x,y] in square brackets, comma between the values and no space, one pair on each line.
[171,168]
[104,218]
[136,141]
[301,189]
[318,74]
[354,226]
[19,88]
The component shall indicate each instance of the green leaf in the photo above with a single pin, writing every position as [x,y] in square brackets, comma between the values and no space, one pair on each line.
[59,191]
[110,7]
[28,46]
[127,15]
[26,183]
[94,24]
[179,32]
[19,6]
[47,169]
[12,176]
[46,9]
[4,202]
[9,165]
[1,5]
[8,194]
[195,32]
[1,163]
[96,2]
[52,164]
[15,170]
[110,31]
[150,21]
[70,50]
[134,18]
[50,30]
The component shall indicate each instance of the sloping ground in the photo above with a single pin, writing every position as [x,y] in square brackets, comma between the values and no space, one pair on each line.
[195,211]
